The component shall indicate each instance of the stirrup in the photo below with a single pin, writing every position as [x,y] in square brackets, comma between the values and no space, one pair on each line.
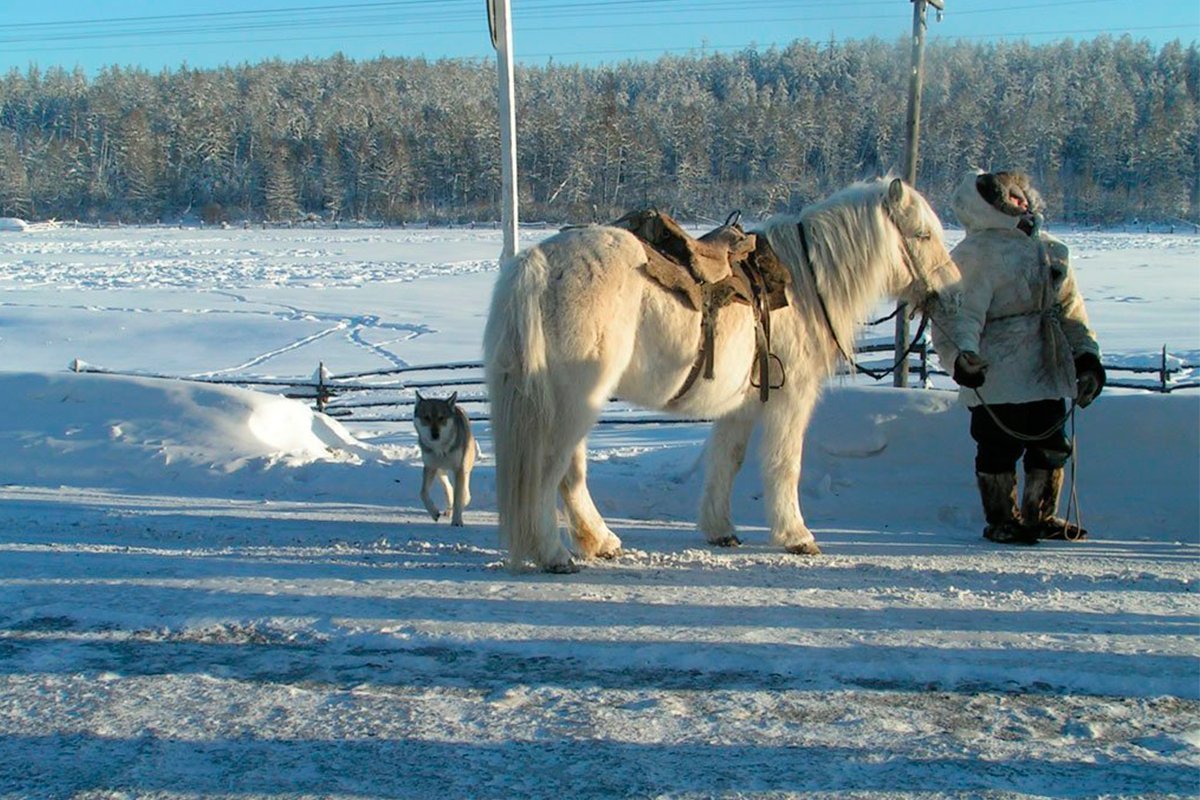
[1010,532]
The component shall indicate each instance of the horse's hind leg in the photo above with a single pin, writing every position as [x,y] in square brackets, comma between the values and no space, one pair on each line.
[726,452]
[565,443]
[591,535]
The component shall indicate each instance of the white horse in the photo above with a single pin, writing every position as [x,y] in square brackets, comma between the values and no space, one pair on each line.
[574,321]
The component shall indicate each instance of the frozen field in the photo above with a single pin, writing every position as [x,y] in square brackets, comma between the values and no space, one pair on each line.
[212,592]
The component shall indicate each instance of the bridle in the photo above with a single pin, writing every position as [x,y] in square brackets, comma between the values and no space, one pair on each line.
[907,256]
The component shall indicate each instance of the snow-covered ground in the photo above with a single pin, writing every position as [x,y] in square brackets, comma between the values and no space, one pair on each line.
[212,592]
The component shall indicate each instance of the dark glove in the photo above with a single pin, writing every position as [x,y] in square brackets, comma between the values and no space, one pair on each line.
[1089,379]
[970,369]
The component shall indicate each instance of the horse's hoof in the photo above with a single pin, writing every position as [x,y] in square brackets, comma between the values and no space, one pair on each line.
[568,567]
[804,549]
[726,541]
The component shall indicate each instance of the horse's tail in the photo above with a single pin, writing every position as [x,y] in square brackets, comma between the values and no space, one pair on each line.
[522,408]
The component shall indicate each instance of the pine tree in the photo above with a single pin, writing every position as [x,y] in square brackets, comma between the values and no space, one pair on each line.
[15,199]
[280,187]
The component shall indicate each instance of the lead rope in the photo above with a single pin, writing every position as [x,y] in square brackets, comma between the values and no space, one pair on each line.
[1073,495]
[1030,437]
[875,374]
[1073,505]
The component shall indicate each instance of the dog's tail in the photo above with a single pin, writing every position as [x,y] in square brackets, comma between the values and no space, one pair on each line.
[522,408]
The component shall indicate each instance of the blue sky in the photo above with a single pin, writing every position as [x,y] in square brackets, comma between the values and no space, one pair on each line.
[166,33]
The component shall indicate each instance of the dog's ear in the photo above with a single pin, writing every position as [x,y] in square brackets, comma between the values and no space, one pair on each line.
[419,398]
[452,398]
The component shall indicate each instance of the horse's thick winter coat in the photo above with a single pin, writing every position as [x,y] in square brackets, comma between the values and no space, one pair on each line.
[574,321]
[1020,308]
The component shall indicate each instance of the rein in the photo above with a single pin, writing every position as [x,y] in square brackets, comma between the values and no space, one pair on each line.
[1073,505]
[1028,437]
[1023,437]
[875,374]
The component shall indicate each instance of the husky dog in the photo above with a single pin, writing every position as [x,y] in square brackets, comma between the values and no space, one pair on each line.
[447,446]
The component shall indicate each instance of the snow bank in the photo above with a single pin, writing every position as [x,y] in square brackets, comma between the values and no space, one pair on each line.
[13,224]
[876,459]
[81,429]
[907,456]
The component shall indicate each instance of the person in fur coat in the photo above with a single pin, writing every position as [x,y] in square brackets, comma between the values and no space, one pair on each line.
[1020,349]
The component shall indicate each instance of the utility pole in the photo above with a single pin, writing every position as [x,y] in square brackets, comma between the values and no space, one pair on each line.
[913,127]
[500,27]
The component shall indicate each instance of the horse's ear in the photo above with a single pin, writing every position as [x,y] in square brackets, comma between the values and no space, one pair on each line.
[895,193]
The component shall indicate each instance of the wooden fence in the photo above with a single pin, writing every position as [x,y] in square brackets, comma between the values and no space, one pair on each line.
[387,395]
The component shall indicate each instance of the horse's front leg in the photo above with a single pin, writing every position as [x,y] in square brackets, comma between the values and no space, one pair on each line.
[725,454]
[782,448]
[591,535]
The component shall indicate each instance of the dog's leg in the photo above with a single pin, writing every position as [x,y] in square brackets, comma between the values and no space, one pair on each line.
[461,495]
[465,483]
[592,536]
[427,478]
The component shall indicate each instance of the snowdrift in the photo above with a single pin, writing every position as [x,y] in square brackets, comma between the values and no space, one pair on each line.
[877,458]
[99,430]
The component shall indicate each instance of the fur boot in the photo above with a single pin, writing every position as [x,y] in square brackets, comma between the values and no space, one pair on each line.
[1039,506]
[998,491]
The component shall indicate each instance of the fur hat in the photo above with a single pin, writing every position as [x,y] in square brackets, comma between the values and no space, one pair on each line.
[986,200]
[997,188]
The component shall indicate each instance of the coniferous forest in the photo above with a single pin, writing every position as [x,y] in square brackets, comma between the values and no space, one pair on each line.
[1109,128]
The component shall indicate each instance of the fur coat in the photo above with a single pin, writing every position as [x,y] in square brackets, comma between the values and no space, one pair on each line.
[1017,304]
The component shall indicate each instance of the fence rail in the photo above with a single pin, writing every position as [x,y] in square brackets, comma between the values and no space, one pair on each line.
[363,397]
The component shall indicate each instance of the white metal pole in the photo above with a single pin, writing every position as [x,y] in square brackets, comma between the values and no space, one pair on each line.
[501,17]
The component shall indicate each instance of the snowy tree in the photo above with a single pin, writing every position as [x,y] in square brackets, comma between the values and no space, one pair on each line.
[15,199]
[1108,128]
[280,187]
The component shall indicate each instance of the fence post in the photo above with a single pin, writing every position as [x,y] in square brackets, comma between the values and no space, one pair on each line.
[1162,370]
[924,361]
[321,386]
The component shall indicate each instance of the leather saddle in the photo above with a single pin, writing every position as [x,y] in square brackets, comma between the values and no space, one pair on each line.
[725,265]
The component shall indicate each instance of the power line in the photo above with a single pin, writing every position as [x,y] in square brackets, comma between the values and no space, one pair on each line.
[324,15]
[1073,32]
[284,12]
[629,51]
[407,19]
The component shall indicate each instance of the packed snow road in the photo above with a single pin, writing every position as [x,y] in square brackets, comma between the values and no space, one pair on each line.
[207,592]
[183,647]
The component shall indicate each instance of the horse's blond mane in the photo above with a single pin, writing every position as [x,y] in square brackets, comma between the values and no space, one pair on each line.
[853,257]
